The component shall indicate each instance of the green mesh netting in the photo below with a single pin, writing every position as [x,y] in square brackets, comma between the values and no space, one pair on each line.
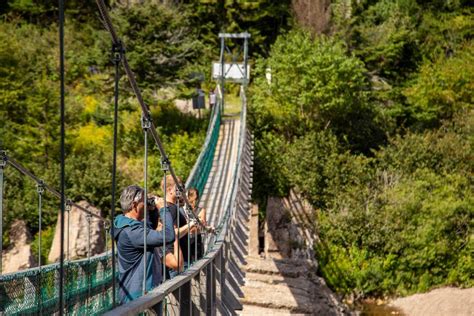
[87,282]
[200,173]
[35,291]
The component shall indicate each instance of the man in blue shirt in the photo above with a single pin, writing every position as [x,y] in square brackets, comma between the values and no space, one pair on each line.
[128,234]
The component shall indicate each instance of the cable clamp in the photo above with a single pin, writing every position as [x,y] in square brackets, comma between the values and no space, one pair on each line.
[118,50]
[68,205]
[40,187]
[165,164]
[146,121]
[3,158]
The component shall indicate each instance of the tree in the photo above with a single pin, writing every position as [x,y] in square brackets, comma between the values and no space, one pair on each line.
[315,85]
[442,88]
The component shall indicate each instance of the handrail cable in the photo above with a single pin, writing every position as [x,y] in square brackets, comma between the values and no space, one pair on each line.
[15,164]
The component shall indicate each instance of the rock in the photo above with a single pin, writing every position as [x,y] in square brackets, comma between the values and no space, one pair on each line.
[443,301]
[289,228]
[78,234]
[252,310]
[284,280]
[289,286]
[253,232]
[18,255]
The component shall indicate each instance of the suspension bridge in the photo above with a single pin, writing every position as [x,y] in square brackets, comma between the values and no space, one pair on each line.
[222,172]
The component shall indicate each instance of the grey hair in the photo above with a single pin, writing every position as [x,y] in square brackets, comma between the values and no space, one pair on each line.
[130,194]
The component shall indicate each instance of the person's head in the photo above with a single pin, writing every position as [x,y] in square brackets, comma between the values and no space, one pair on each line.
[193,196]
[132,202]
[170,192]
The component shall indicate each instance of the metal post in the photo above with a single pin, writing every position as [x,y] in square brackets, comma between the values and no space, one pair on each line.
[165,168]
[210,289]
[40,190]
[68,210]
[117,51]
[222,73]
[246,49]
[3,163]
[89,276]
[146,124]
[222,269]
[178,196]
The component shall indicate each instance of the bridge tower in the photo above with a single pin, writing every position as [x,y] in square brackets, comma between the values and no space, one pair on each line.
[232,66]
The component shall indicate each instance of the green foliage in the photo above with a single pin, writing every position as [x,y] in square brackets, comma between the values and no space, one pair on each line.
[183,150]
[47,237]
[408,237]
[269,178]
[29,113]
[159,45]
[442,88]
[317,163]
[404,223]
[396,219]
[443,33]
[43,11]
[263,19]
[315,85]
[384,36]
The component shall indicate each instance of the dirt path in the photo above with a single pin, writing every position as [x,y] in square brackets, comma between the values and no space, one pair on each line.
[443,302]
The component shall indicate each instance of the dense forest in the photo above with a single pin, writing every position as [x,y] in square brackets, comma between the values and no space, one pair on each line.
[369,114]
[371,118]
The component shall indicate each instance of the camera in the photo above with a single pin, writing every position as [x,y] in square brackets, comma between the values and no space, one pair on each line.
[151,202]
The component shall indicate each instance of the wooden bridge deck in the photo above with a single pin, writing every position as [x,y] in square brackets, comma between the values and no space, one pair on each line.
[222,171]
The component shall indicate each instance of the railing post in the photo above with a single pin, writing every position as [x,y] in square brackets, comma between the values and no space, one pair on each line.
[210,289]
[196,295]
[182,298]
[222,268]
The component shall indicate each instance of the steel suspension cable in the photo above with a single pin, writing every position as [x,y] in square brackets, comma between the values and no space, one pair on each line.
[62,189]
[145,110]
